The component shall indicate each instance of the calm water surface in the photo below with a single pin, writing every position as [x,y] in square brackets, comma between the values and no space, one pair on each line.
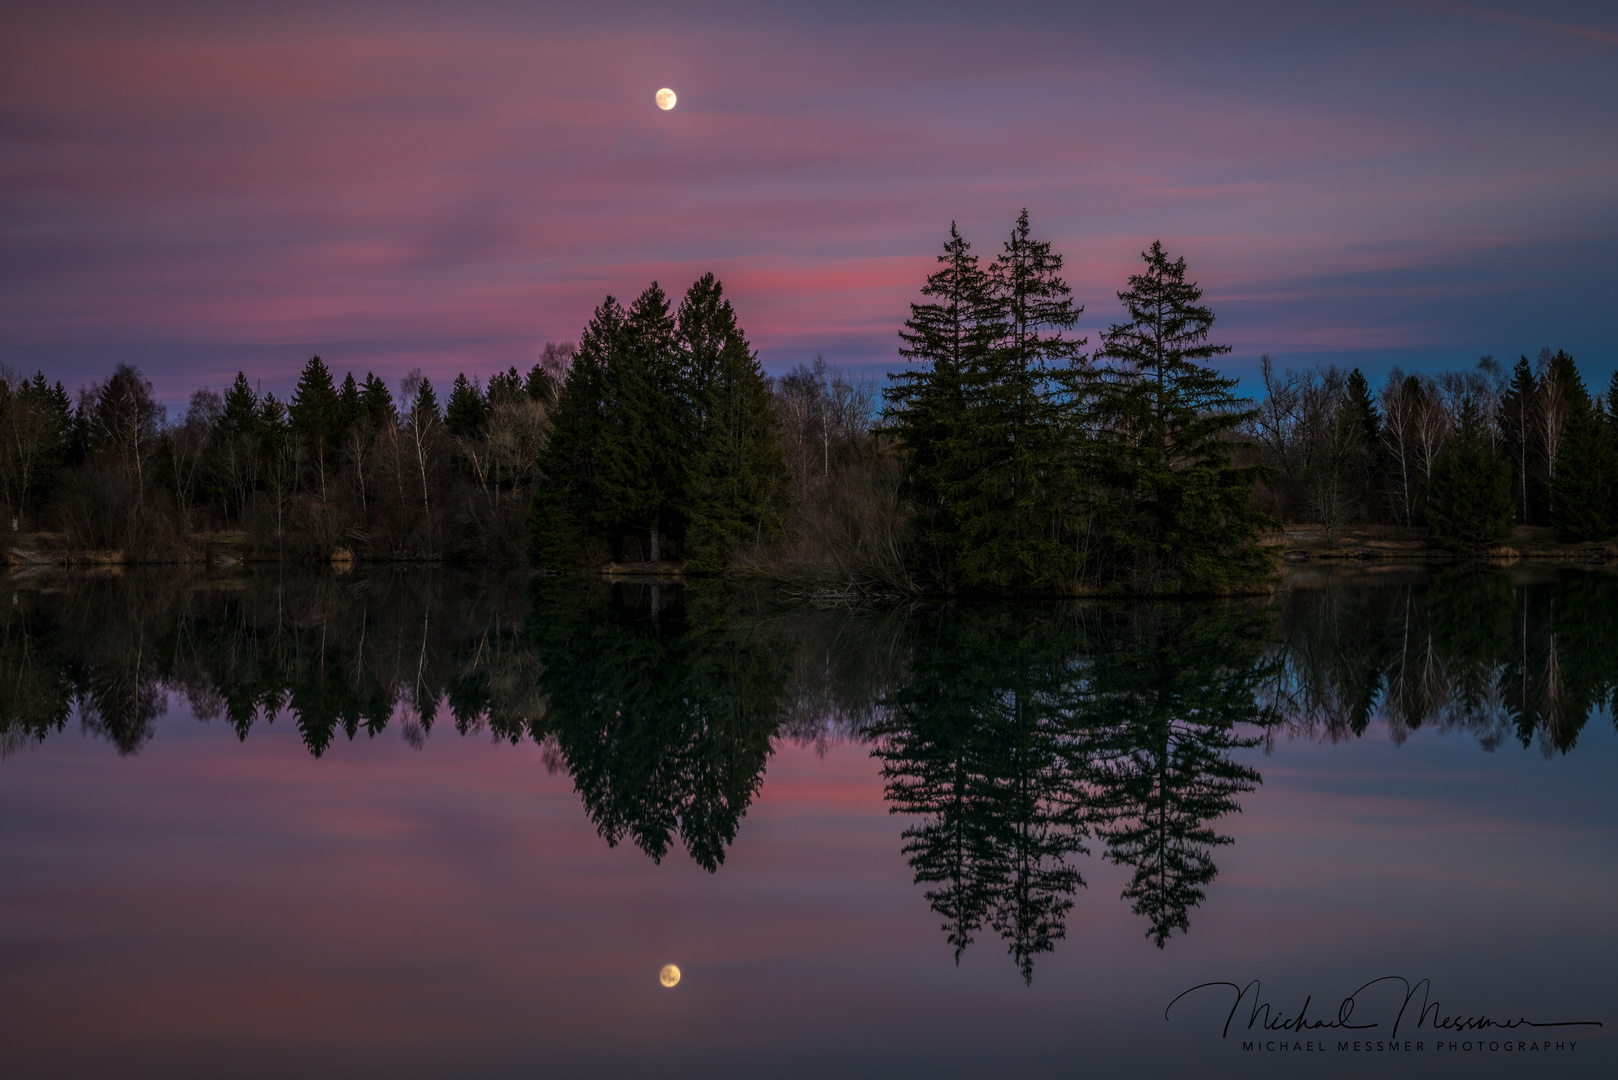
[436,823]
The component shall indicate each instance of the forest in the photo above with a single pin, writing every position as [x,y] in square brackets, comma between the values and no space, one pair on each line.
[1468,454]
[1003,459]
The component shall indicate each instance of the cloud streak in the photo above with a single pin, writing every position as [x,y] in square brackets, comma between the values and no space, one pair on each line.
[449,190]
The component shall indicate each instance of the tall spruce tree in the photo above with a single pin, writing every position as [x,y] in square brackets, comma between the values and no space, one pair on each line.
[1582,487]
[348,401]
[562,518]
[376,403]
[738,485]
[1001,476]
[467,414]
[1178,516]
[315,416]
[1469,504]
[1612,443]
[640,463]
[1364,457]
[944,338]
[236,441]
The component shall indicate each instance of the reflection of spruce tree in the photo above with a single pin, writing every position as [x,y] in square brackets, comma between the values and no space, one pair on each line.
[1170,689]
[980,740]
[662,711]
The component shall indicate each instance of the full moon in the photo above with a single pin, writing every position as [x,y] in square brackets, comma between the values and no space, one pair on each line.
[670,974]
[665,101]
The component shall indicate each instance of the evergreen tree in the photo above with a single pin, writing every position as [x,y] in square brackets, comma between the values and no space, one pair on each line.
[1177,515]
[1014,504]
[1364,459]
[738,485]
[348,402]
[1519,413]
[467,416]
[989,421]
[562,517]
[315,415]
[663,428]
[1582,488]
[236,440]
[1366,417]
[1612,443]
[376,404]
[270,424]
[925,404]
[640,462]
[1469,494]
[505,386]
[423,401]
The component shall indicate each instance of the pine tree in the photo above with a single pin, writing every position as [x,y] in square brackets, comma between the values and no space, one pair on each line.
[562,515]
[926,403]
[1519,412]
[315,415]
[738,485]
[1177,514]
[1469,504]
[640,460]
[1582,488]
[467,416]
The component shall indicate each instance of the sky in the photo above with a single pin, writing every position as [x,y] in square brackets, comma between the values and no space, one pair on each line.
[201,188]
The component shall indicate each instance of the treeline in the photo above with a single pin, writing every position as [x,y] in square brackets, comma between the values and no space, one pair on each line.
[1005,459]
[336,468]
[1469,454]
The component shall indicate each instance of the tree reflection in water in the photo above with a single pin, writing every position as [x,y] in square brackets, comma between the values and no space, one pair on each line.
[1020,730]
[1020,737]
[663,707]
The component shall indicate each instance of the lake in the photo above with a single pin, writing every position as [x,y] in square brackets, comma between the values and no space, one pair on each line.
[430,823]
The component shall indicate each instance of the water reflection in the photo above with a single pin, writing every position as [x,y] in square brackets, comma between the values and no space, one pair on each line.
[1531,656]
[663,707]
[1017,732]
[1022,739]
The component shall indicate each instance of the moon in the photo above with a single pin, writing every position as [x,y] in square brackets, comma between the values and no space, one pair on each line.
[665,101]
[670,975]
